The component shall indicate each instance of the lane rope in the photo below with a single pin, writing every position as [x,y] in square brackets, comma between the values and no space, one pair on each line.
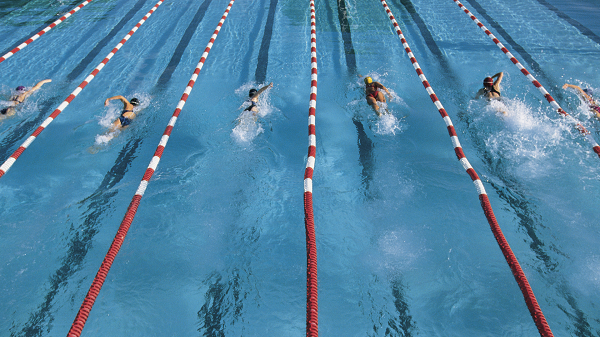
[43,31]
[11,160]
[312,295]
[534,81]
[518,273]
[92,294]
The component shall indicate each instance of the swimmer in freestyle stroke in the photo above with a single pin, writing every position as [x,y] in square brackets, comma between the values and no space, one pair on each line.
[253,95]
[127,114]
[491,89]
[373,95]
[586,95]
[19,98]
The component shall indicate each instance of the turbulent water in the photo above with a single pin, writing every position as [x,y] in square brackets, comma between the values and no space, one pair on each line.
[217,247]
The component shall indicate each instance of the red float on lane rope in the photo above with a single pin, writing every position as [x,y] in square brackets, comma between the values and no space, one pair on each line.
[518,273]
[92,294]
[11,160]
[42,32]
[535,82]
[312,296]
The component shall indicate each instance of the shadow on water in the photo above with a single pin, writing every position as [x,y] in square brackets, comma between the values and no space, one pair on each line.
[365,157]
[403,324]
[222,299]
[98,205]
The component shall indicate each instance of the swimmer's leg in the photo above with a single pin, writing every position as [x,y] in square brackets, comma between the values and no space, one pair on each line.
[381,98]
[373,103]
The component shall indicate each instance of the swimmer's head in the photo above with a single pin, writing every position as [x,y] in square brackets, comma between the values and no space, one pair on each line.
[4,111]
[20,88]
[368,80]
[488,82]
[252,92]
[134,101]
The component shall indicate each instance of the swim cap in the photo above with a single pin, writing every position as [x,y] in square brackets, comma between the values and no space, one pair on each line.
[368,80]
[488,81]
[135,101]
[252,92]
[20,88]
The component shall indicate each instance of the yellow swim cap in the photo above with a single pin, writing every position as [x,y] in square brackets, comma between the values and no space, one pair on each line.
[368,80]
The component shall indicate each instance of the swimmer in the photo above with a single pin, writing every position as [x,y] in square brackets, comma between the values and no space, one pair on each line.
[491,88]
[586,94]
[253,95]
[19,98]
[127,114]
[374,95]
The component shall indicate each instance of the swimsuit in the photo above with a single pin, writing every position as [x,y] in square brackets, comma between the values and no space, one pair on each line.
[373,94]
[124,120]
[486,91]
[252,105]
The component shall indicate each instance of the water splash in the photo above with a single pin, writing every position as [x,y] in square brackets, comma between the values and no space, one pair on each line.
[387,124]
[247,128]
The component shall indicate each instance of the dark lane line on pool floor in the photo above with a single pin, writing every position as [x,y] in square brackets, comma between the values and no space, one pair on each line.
[263,54]
[99,203]
[583,29]
[165,77]
[252,37]
[86,61]
[64,10]
[346,37]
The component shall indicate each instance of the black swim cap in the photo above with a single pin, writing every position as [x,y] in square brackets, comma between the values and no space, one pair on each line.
[4,111]
[252,92]
[135,101]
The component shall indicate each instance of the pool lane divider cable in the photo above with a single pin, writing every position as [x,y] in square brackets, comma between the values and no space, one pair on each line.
[312,295]
[533,80]
[92,294]
[11,160]
[43,31]
[511,259]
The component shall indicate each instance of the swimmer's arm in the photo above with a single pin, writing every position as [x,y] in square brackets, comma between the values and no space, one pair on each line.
[39,84]
[499,76]
[26,94]
[381,86]
[581,92]
[261,90]
[119,97]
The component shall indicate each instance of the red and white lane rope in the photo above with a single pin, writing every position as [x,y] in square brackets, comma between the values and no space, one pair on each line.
[92,294]
[312,295]
[11,160]
[44,31]
[535,82]
[518,273]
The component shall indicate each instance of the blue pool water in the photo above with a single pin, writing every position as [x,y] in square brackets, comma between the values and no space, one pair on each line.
[217,247]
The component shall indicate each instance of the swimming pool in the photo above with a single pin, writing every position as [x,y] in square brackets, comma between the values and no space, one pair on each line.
[217,247]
